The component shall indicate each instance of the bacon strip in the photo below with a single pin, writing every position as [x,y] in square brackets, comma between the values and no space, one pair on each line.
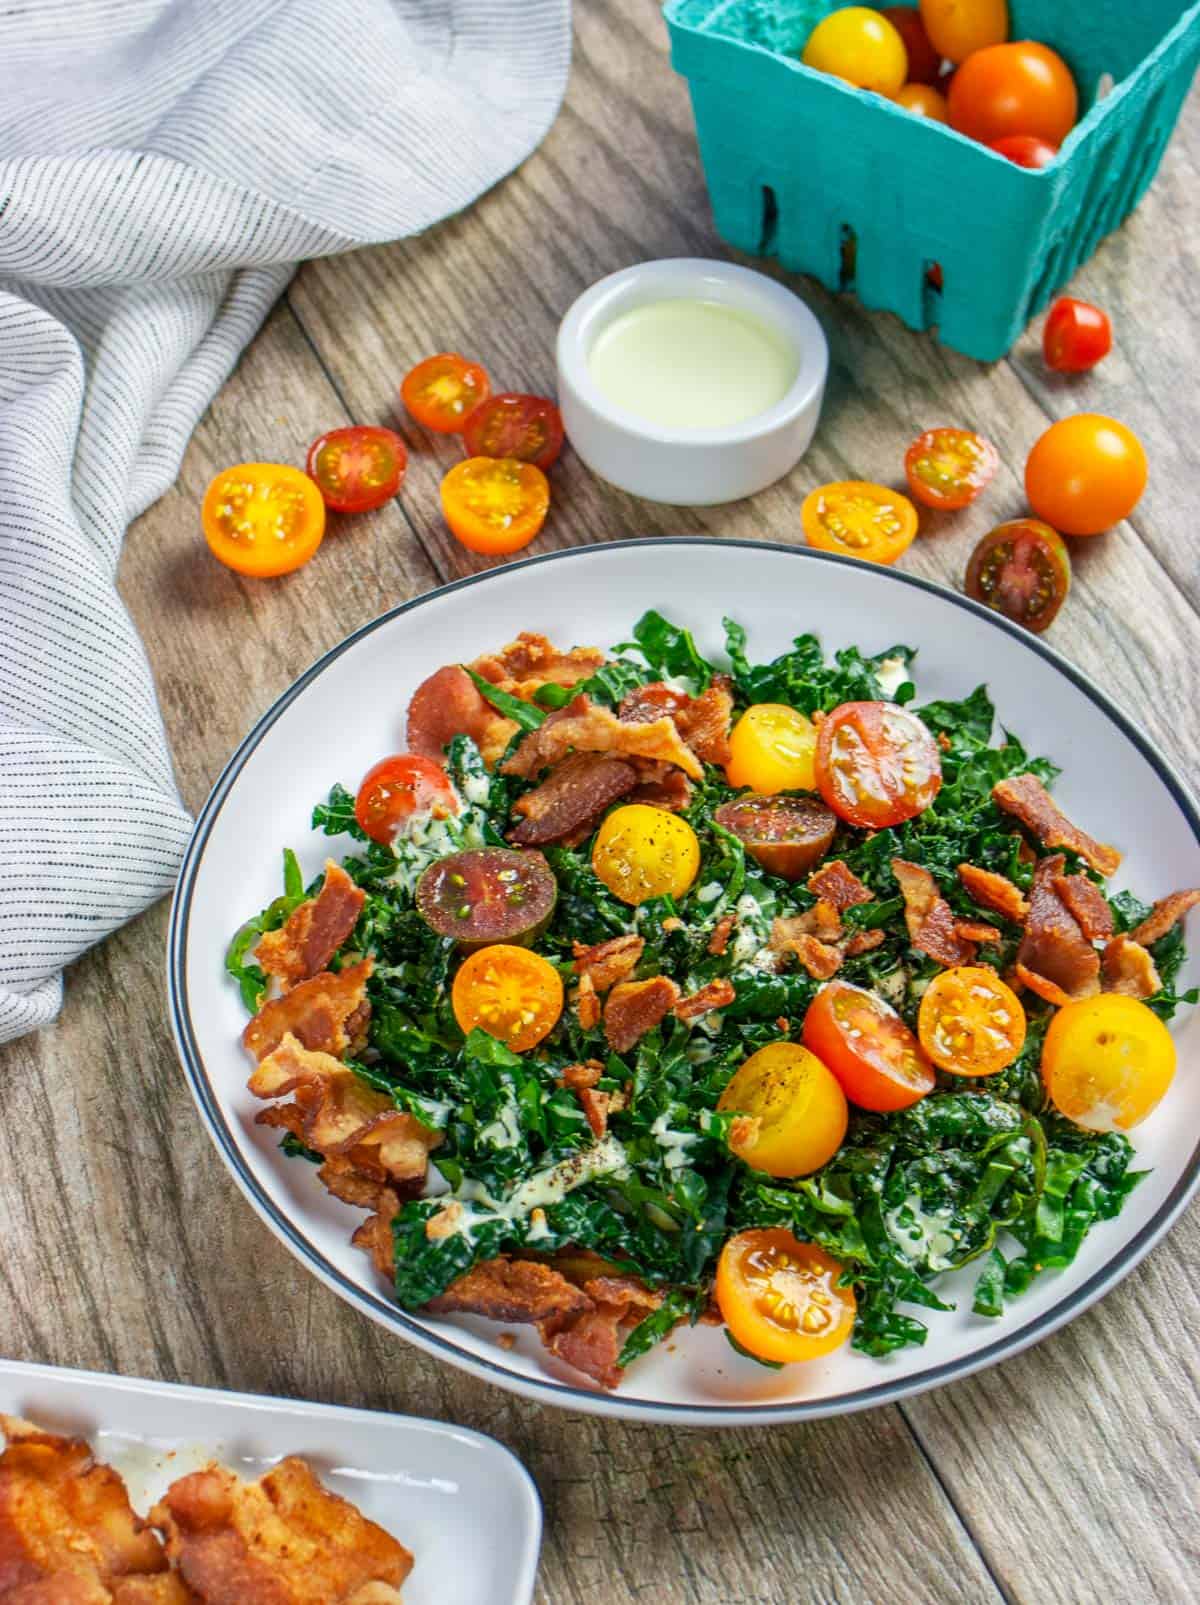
[521,1291]
[820,959]
[448,704]
[609,962]
[569,802]
[591,1342]
[994,891]
[976,931]
[1087,904]
[1165,913]
[636,1007]
[721,932]
[532,661]
[836,884]
[1128,968]
[1028,801]
[595,1109]
[328,1014]
[660,785]
[1055,959]
[584,726]
[703,721]
[581,1075]
[718,994]
[314,931]
[930,919]
[864,942]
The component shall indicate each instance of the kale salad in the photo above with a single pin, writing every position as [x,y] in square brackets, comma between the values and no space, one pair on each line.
[645,990]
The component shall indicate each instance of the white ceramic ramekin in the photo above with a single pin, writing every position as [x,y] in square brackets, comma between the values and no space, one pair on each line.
[690,467]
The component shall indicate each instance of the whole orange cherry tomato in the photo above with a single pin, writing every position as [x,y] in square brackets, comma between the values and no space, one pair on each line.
[1085,474]
[948,468]
[1077,336]
[924,62]
[877,764]
[957,28]
[859,519]
[868,1047]
[495,504]
[970,1022]
[1023,88]
[443,391]
[782,1299]
[924,101]
[263,519]
[510,993]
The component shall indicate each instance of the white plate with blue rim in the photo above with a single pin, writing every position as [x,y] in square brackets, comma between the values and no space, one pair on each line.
[348,709]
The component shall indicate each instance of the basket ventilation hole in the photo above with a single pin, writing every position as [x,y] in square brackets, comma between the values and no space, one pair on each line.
[848,264]
[934,282]
[770,221]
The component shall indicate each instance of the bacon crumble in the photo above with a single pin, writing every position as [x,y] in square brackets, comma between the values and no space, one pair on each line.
[1031,805]
[929,917]
[312,933]
[995,892]
[327,1014]
[606,963]
[1087,904]
[585,726]
[1055,959]
[1168,911]
[1127,967]
[567,805]
[718,994]
[835,883]
[636,1007]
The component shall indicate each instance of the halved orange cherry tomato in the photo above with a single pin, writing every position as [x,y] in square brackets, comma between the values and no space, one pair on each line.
[495,505]
[795,1111]
[1021,88]
[1085,474]
[263,519]
[1027,150]
[859,519]
[510,993]
[1107,1061]
[970,1022]
[948,468]
[771,748]
[528,428]
[923,100]
[443,391]
[1023,570]
[924,62]
[877,764]
[396,788]
[1077,335]
[957,28]
[357,469]
[876,1058]
[782,1299]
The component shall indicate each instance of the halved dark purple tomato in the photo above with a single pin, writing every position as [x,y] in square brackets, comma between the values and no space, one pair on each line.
[1023,570]
[493,894]
[787,835]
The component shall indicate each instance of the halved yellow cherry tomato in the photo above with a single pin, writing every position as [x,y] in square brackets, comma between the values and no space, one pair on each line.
[781,1298]
[795,1110]
[771,748]
[495,505]
[859,519]
[510,992]
[643,852]
[263,519]
[1107,1061]
[970,1022]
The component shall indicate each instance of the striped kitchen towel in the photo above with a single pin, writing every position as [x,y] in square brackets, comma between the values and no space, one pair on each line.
[164,164]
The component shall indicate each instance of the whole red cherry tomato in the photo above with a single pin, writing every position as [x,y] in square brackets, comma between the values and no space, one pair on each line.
[1077,336]
[1027,150]
[924,63]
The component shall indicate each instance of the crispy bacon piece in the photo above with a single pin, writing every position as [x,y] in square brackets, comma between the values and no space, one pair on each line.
[328,1014]
[1165,913]
[718,994]
[834,883]
[1087,905]
[591,1341]
[976,931]
[532,661]
[374,1236]
[820,959]
[864,942]
[66,1525]
[340,1116]
[568,803]
[515,1290]
[1028,801]
[448,705]
[660,785]
[994,891]
[312,933]
[930,919]
[283,1540]
[587,1003]
[1055,959]
[595,1108]
[609,962]
[703,721]
[584,726]
[581,1075]
[635,1007]
[1127,967]
[721,932]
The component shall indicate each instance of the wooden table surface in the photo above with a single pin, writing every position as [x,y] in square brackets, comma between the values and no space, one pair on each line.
[1068,1473]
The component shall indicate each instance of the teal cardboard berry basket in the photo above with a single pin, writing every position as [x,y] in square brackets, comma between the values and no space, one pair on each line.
[842,184]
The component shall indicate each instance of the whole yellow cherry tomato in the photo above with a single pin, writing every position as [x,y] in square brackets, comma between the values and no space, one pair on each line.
[1107,1061]
[782,1299]
[861,46]
[643,852]
[772,748]
[796,1111]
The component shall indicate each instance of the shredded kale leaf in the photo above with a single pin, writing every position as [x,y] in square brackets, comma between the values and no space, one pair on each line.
[520,712]
[669,650]
[804,679]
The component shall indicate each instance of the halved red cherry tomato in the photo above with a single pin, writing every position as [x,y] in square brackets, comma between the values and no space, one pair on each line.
[782,1299]
[1023,570]
[528,428]
[262,519]
[396,788]
[971,1023]
[1027,150]
[443,391]
[859,519]
[877,764]
[1020,88]
[357,469]
[868,1047]
[948,468]
[924,63]
[495,504]
[1077,336]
